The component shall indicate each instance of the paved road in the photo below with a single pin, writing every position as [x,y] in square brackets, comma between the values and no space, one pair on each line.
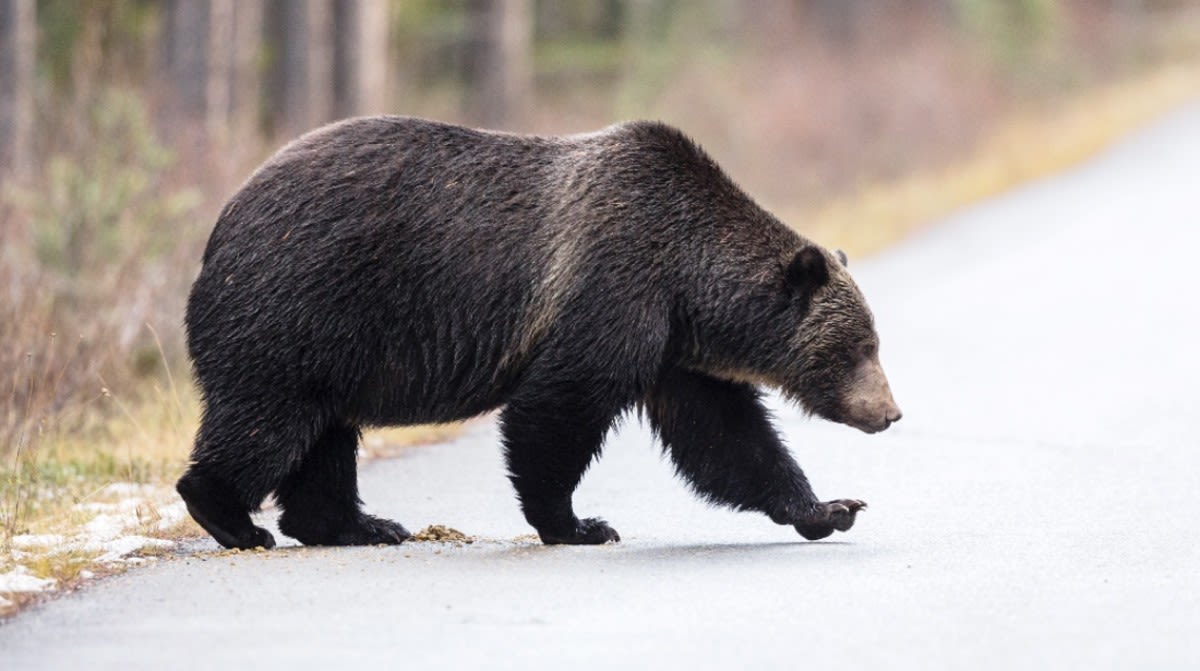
[1035,508]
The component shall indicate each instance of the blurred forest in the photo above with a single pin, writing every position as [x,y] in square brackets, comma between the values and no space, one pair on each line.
[125,124]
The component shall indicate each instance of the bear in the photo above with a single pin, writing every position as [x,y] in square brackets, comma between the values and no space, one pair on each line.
[391,270]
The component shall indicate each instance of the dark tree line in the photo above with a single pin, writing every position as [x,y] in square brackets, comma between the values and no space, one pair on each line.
[18,28]
[327,59]
[323,59]
[282,66]
[233,67]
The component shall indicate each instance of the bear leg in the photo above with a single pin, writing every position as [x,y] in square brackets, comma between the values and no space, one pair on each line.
[548,446]
[722,442]
[243,450]
[320,498]
[217,507]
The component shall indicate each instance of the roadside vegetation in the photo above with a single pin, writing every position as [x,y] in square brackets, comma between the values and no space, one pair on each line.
[856,125]
[1022,148]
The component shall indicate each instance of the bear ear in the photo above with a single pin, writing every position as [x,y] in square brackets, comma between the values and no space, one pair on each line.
[808,270]
[842,257]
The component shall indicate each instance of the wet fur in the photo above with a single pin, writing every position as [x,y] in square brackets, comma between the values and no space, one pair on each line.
[390,271]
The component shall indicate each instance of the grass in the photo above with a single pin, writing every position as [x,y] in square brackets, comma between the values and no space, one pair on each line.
[81,482]
[117,464]
[1030,146]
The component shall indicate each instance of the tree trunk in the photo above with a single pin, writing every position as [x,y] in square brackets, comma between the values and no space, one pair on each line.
[18,41]
[839,19]
[218,79]
[245,80]
[211,56]
[360,57]
[185,51]
[302,79]
[499,62]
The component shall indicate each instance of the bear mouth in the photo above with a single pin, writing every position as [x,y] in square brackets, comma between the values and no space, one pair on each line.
[868,427]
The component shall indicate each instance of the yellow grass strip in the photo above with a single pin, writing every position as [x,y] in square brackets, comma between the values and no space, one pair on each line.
[1031,146]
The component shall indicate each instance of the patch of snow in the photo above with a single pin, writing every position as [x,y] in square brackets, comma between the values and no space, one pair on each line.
[112,519]
[105,535]
[170,515]
[20,580]
[104,527]
[118,548]
[27,541]
[123,506]
[127,489]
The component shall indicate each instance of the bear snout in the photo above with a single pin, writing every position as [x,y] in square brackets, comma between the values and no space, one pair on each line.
[890,417]
[870,406]
[875,417]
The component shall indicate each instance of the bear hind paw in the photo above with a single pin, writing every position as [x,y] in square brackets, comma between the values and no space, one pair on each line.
[590,531]
[362,529]
[213,505]
[246,538]
[371,530]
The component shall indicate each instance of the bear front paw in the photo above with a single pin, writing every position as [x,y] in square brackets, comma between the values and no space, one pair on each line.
[829,517]
[590,531]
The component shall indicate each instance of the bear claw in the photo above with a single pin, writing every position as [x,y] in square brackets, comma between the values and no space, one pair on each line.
[829,517]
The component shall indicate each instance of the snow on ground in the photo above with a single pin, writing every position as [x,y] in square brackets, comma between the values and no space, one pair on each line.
[20,580]
[115,532]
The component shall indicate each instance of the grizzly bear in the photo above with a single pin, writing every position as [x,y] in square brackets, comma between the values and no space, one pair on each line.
[390,271]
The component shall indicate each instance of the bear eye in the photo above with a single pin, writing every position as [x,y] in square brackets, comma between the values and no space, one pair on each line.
[867,349]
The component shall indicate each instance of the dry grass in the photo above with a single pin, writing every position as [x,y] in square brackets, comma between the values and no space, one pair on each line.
[1028,147]
[115,471]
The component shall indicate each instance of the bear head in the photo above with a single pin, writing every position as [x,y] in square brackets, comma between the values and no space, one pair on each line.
[798,323]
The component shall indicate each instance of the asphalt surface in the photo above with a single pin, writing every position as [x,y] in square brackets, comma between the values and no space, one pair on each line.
[1034,509]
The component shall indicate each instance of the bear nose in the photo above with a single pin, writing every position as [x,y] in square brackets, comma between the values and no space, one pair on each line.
[894,416]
